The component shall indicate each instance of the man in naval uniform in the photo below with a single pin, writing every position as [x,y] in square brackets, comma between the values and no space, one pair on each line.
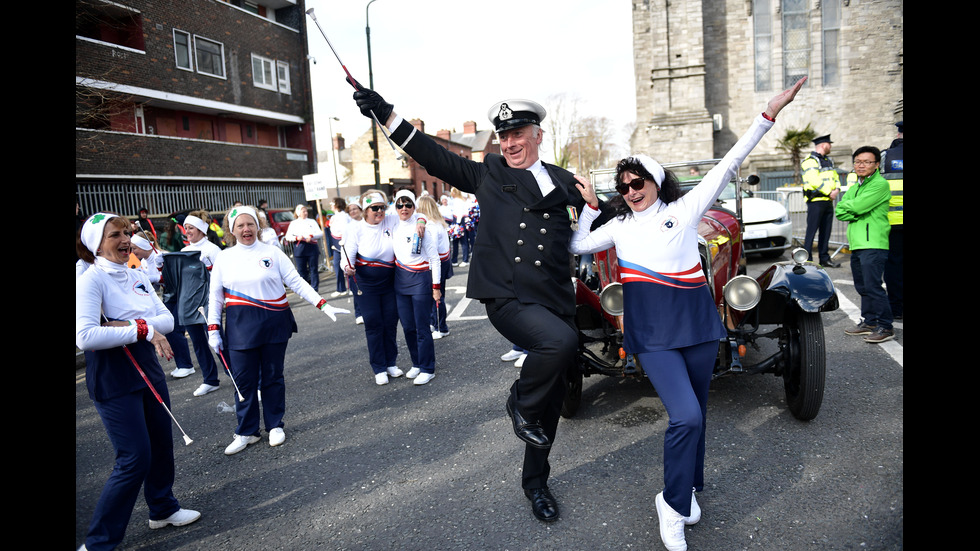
[520,269]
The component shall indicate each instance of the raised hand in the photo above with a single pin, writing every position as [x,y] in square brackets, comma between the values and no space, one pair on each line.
[369,101]
[783,98]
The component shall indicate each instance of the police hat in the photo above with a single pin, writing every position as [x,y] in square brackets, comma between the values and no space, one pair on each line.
[822,139]
[514,113]
[899,124]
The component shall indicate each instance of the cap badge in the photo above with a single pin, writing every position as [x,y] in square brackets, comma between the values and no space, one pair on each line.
[505,112]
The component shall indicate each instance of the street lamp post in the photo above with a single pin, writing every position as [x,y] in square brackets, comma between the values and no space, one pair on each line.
[374,127]
[333,152]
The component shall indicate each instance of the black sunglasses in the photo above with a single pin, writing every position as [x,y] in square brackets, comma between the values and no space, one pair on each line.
[624,188]
[376,208]
[405,205]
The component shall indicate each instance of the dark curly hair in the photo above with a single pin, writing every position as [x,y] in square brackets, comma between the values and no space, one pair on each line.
[670,189]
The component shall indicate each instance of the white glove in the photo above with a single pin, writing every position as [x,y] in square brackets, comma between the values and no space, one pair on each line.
[331,311]
[214,340]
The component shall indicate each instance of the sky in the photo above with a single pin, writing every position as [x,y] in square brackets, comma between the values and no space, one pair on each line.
[448,61]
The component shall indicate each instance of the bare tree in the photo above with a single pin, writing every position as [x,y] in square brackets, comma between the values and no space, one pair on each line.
[559,126]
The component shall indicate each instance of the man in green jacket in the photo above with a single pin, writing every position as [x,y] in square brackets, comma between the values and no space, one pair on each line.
[865,208]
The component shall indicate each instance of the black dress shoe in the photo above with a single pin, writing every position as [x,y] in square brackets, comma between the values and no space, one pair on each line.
[830,264]
[532,433]
[543,504]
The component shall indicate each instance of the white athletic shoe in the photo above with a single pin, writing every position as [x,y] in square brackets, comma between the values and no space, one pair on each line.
[182,517]
[511,355]
[359,320]
[671,526]
[205,389]
[520,361]
[424,378]
[393,371]
[182,372]
[335,294]
[436,335]
[413,373]
[240,443]
[277,436]
[380,379]
[695,511]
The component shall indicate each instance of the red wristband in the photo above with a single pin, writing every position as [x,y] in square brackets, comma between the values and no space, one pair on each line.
[214,327]
[768,118]
[142,329]
[321,303]
[436,286]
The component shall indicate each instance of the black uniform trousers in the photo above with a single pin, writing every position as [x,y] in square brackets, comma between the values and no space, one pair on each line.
[551,341]
[819,216]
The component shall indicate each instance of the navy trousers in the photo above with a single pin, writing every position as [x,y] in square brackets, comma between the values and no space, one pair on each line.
[867,270]
[255,368]
[381,328]
[681,378]
[415,313]
[819,216]
[140,431]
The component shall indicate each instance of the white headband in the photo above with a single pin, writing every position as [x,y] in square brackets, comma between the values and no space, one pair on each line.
[405,193]
[93,229]
[653,167]
[196,222]
[142,243]
[371,198]
[241,210]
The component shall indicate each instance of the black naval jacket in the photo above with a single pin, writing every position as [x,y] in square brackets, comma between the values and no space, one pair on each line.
[521,248]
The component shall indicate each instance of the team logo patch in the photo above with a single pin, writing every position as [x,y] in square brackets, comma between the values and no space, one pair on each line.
[141,289]
[668,224]
[505,112]
[266,262]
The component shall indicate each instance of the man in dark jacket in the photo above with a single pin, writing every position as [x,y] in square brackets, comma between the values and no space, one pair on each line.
[520,268]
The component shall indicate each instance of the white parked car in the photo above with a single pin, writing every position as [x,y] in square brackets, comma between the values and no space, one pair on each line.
[768,228]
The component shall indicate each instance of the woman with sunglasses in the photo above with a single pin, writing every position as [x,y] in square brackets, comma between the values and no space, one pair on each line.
[670,320]
[418,279]
[369,260]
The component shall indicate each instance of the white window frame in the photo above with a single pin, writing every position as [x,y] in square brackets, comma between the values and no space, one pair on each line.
[268,67]
[190,51]
[282,75]
[221,54]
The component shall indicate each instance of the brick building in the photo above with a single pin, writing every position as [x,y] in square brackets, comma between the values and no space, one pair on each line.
[704,68]
[191,104]
[471,143]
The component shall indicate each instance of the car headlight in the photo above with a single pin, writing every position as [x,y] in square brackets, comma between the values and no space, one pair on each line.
[742,293]
[800,255]
[611,299]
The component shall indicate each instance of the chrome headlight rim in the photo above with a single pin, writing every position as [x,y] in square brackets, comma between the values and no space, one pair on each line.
[742,293]
[800,256]
[611,299]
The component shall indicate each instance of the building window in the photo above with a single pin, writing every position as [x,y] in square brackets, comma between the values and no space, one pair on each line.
[210,57]
[762,30]
[262,72]
[282,71]
[830,23]
[182,50]
[110,23]
[796,41]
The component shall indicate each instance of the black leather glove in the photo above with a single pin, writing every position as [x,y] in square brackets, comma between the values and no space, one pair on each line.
[369,101]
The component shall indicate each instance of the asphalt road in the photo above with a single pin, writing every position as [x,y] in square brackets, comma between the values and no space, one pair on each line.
[437,467]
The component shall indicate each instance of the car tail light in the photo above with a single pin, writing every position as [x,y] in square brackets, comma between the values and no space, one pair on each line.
[611,299]
[742,293]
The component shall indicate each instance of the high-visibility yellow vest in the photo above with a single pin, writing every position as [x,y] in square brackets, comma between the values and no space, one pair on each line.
[820,178]
[895,204]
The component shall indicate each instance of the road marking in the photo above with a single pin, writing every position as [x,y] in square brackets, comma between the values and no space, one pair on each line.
[893,348]
[456,312]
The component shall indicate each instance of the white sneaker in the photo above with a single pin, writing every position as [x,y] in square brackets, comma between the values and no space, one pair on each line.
[240,443]
[182,372]
[424,378]
[393,371]
[359,320]
[335,294]
[277,436]
[671,526]
[258,393]
[695,511]
[182,517]
[380,379]
[520,361]
[436,335]
[511,355]
[205,389]
[462,264]
[413,373]
[443,334]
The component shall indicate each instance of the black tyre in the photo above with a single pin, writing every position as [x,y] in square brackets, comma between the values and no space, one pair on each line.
[805,376]
[573,396]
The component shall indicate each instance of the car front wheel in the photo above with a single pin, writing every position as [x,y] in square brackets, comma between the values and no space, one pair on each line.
[805,376]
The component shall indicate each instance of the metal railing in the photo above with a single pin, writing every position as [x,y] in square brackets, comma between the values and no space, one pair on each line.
[793,200]
[162,199]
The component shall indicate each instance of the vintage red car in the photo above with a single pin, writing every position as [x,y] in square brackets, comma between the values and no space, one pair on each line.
[783,304]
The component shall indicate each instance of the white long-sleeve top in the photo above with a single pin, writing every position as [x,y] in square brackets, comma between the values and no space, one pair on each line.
[153,267]
[121,293]
[338,224]
[208,251]
[427,259]
[303,227]
[372,242]
[256,274]
[658,249]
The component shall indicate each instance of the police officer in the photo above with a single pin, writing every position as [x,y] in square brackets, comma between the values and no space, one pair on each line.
[821,185]
[892,170]
[520,268]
